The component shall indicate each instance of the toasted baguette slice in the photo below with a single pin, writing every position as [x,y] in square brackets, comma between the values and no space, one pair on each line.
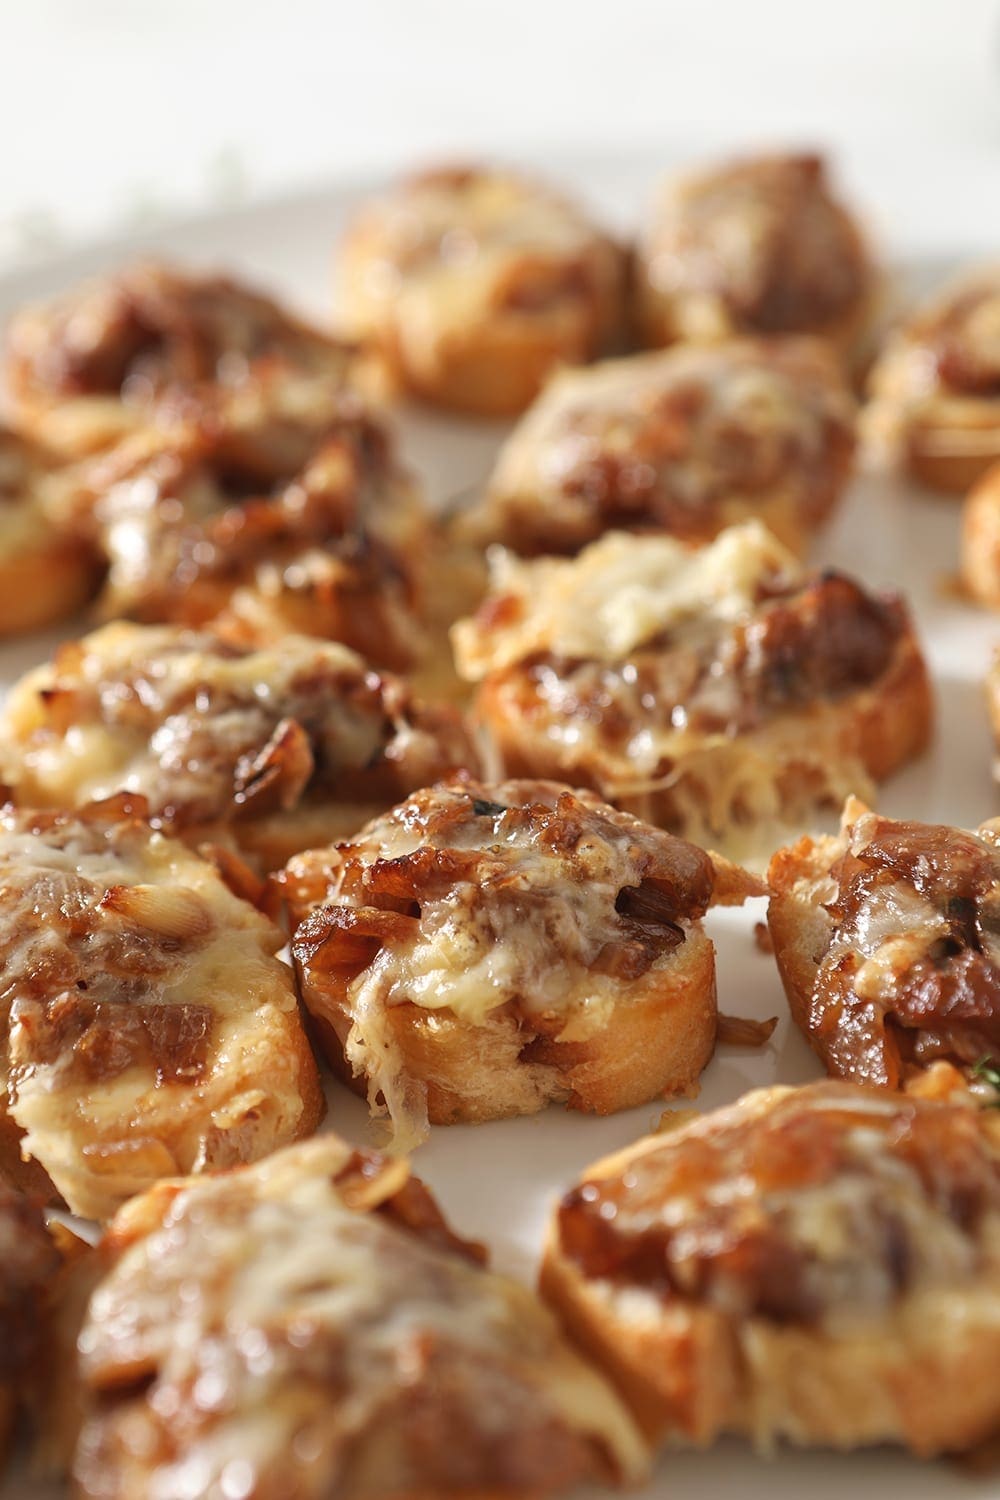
[686,441]
[275,508]
[48,569]
[882,938]
[258,745]
[354,1347]
[480,333]
[934,409]
[483,950]
[723,693]
[755,246]
[94,364]
[149,1029]
[980,545]
[817,1265]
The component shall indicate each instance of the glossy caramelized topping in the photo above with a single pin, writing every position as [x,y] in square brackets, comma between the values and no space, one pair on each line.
[311,1326]
[474,240]
[961,333]
[766,237]
[29,497]
[670,440]
[641,631]
[557,878]
[209,730]
[814,1205]
[912,970]
[468,898]
[101,945]
[151,328]
[148,1027]
[189,515]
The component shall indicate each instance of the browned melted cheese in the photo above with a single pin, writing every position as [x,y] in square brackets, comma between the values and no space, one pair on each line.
[24,523]
[210,731]
[142,1007]
[641,651]
[953,345]
[469,898]
[824,1206]
[298,1329]
[452,249]
[304,515]
[936,384]
[911,973]
[673,441]
[152,329]
[765,239]
[37,496]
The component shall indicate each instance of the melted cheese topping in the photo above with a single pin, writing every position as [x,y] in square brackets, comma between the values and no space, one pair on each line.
[939,375]
[22,518]
[151,1029]
[443,251]
[301,1345]
[189,512]
[825,1205]
[38,499]
[910,970]
[173,715]
[517,888]
[755,244]
[620,593]
[152,327]
[672,437]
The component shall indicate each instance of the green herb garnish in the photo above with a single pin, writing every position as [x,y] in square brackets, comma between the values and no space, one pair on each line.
[988,1071]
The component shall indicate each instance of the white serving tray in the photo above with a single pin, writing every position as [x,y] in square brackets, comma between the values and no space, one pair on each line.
[498,1181]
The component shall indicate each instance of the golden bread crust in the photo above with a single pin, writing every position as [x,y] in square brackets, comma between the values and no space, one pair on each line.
[980,543]
[556,953]
[757,246]
[722,693]
[149,1027]
[535,286]
[934,409]
[882,940]
[816,1265]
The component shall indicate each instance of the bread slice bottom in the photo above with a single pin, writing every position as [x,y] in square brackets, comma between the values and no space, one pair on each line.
[922,1374]
[652,1041]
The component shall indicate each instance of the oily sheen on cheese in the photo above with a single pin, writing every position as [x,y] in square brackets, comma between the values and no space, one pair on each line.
[210,732]
[723,691]
[886,941]
[150,1029]
[619,594]
[520,911]
[680,443]
[443,250]
[295,1326]
[152,341]
[818,1265]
